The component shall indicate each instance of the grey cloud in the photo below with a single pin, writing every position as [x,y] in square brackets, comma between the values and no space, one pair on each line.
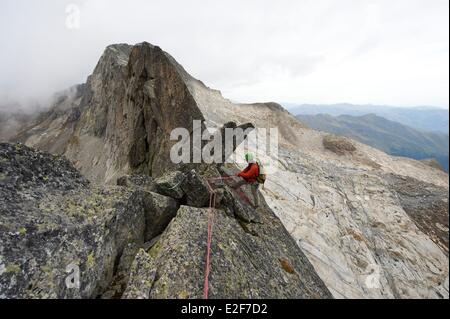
[243,47]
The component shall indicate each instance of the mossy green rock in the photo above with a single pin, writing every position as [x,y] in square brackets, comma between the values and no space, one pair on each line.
[141,277]
[58,223]
[242,265]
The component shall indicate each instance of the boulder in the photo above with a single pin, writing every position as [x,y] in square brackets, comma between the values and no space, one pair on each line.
[170,184]
[159,211]
[268,265]
[119,283]
[141,277]
[54,227]
[246,129]
[196,189]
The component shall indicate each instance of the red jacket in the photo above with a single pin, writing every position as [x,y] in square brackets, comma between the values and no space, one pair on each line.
[250,173]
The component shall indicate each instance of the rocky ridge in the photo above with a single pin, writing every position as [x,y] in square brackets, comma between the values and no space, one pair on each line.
[129,241]
[357,215]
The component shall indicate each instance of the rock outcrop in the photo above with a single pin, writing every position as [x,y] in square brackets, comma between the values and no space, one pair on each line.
[52,221]
[433,163]
[337,144]
[120,121]
[127,241]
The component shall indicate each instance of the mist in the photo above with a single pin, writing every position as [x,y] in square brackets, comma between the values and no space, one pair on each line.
[323,52]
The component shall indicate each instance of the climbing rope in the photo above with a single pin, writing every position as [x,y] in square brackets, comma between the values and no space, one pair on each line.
[185,175]
[212,204]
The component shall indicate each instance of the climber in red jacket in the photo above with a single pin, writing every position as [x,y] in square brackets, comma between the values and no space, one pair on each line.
[249,176]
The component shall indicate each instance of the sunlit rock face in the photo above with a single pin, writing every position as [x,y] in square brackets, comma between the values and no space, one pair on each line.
[373,225]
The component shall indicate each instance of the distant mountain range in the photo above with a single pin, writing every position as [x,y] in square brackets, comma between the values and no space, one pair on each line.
[392,137]
[425,118]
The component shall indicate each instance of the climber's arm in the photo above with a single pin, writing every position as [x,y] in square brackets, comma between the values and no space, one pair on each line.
[244,171]
[250,172]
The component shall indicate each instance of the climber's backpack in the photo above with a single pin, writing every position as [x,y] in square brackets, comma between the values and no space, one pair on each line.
[261,179]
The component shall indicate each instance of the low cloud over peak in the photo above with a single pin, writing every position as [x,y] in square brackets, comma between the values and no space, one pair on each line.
[374,51]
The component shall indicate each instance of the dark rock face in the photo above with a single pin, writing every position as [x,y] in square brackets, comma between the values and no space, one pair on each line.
[171,184]
[161,102]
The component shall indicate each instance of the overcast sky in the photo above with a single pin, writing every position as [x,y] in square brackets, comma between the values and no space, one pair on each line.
[393,52]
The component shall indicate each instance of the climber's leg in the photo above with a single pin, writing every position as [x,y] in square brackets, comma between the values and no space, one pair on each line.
[239,183]
[255,187]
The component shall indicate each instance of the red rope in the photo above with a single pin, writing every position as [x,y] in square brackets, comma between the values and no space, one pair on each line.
[212,204]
